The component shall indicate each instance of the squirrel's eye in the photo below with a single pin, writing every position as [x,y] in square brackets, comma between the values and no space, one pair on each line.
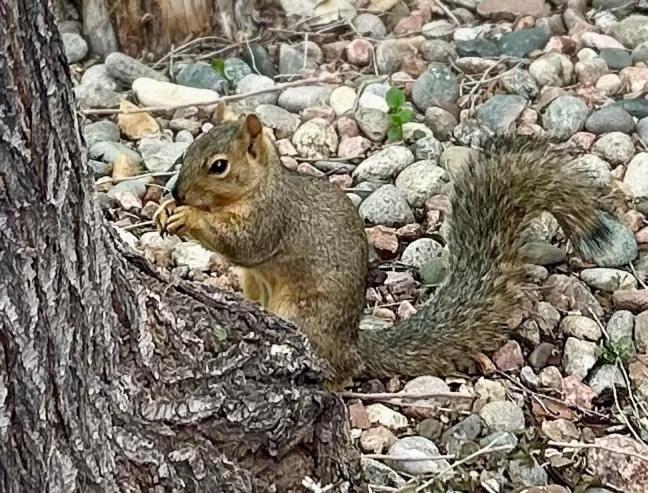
[219,167]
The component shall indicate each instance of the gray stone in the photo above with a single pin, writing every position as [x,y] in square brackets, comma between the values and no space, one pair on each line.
[373,96]
[616,58]
[434,271]
[250,83]
[100,131]
[590,71]
[500,113]
[370,25]
[441,122]
[565,116]
[620,327]
[235,69]
[642,130]
[438,51]
[636,176]
[478,48]
[379,474]
[467,430]
[417,448]
[160,155]
[201,75]
[610,119]
[100,168]
[108,152]
[126,69]
[579,357]
[615,147]
[283,122]
[194,256]
[291,60]
[93,96]
[388,56]
[520,82]
[641,332]
[297,99]
[631,31]
[435,87]
[315,139]
[552,69]
[598,169]
[606,378]
[373,123]
[438,29]
[520,43]
[620,247]
[259,60]
[386,206]
[427,148]
[640,53]
[98,75]
[455,158]
[384,164]
[420,252]
[129,193]
[543,253]
[608,280]
[523,473]
[75,47]
[636,107]
[580,327]
[502,416]
[499,438]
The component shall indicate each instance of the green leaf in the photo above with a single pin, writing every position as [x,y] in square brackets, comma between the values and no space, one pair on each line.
[395,134]
[395,120]
[395,98]
[218,64]
[405,116]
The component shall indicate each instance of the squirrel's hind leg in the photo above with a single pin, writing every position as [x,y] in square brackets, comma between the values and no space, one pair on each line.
[254,287]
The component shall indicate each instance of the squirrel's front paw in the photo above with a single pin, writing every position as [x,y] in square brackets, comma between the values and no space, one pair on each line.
[181,221]
[162,215]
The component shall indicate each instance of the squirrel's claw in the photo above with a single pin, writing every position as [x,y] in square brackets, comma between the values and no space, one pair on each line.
[177,223]
[162,215]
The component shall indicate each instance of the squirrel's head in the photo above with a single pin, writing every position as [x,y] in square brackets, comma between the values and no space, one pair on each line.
[224,165]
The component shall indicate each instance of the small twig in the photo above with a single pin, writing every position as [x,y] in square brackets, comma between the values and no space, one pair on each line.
[189,44]
[212,54]
[447,12]
[490,448]
[624,418]
[224,99]
[576,445]
[158,174]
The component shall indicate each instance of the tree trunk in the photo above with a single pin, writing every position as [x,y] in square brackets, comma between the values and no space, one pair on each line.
[158,25]
[114,377]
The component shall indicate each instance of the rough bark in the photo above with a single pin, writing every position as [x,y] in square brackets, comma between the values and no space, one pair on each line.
[114,377]
[158,25]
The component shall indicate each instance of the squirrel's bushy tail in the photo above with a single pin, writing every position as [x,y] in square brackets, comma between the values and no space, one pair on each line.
[494,199]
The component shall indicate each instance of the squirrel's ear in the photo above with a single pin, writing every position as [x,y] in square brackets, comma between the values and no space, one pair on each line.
[252,129]
[253,126]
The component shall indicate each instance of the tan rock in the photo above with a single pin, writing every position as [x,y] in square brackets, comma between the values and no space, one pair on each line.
[136,125]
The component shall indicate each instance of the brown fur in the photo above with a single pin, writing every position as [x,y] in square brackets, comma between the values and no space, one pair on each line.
[304,250]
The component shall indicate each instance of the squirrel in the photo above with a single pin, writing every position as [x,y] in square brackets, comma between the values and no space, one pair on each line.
[303,250]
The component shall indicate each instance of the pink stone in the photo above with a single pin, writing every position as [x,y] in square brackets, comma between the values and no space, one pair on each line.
[359,52]
[353,147]
[509,357]
[511,9]
[600,41]
[410,24]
